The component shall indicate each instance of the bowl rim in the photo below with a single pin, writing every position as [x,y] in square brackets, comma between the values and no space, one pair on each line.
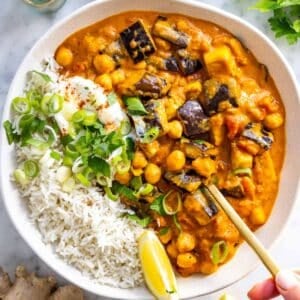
[6,108]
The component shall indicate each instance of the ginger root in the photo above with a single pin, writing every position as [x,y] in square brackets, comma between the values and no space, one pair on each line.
[30,287]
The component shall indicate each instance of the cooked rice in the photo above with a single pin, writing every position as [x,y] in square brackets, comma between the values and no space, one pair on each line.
[86,229]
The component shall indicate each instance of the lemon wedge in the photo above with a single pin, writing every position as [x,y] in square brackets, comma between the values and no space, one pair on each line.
[156,266]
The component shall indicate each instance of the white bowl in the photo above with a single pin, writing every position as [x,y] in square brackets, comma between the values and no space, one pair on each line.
[264,50]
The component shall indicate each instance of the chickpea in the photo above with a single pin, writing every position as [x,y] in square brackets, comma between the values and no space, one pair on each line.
[64,56]
[175,160]
[123,178]
[204,166]
[193,89]
[105,81]
[151,149]
[104,63]
[273,121]
[152,173]
[186,260]
[137,172]
[117,76]
[166,237]
[139,160]
[172,250]
[185,242]
[175,129]
[258,216]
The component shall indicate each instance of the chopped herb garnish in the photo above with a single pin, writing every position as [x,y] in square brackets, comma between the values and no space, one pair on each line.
[164,231]
[144,222]
[157,205]
[46,77]
[135,106]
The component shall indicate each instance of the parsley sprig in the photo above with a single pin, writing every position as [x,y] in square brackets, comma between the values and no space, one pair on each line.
[285,21]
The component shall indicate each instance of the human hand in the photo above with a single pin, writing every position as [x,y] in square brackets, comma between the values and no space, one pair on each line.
[285,284]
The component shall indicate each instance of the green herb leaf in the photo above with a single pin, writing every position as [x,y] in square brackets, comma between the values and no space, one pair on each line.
[130,147]
[157,205]
[135,106]
[46,77]
[143,222]
[55,155]
[123,190]
[99,165]
[9,132]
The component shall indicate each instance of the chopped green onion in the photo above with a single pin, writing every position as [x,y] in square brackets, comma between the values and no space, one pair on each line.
[144,222]
[31,168]
[83,179]
[52,104]
[9,132]
[102,180]
[79,116]
[168,204]
[123,166]
[26,120]
[136,182]
[219,252]
[123,190]
[129,146]
[90,118]
[20,177]
[38,143]
[125,127]
[67,161]
[176,222]
[68,185]
[55,155]
[78,165]
[110,194]
[242,172]
[150,135]
[145,189]
[71,151]
[135,106]
[21,105]
[99,165]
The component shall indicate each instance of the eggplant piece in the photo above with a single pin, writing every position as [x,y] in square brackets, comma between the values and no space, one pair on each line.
[166,64]
[163,29]
[116,50]
[193,149]
[137,41]
[257,133]
[233,188]
[207,201]
[151,86]
[215,93]
[185,181]
[195,122]
[156,116]
[189,66]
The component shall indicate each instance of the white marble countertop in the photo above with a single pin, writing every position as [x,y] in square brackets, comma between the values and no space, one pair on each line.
[20,27]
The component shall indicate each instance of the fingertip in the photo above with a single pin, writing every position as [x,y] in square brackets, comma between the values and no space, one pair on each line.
[263,290]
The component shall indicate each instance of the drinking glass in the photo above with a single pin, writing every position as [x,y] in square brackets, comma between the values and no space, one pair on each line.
[46,5]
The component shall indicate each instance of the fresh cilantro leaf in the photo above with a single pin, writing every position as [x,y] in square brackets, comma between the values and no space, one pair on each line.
[135,106]
[143,222]
[99,165]
[123,190]
[157,205]
[130,146]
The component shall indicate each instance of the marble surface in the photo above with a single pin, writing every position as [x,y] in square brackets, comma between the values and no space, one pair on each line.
[20,27]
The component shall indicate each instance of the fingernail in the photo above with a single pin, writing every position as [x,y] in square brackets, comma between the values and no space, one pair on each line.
[286,280]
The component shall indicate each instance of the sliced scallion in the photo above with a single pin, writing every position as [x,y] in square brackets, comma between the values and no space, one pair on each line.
[83,179]
[242,172]
[110,194]
[145,189]
[219,252]
[172,203]
[176,222]
[9,132]
[150,135]
[68,185]
[31,168]
[90,118]
[79,116]
[125,127]
[136,182]
[55,155]
[20,177]
[123,166]
[52,104]
[21,105]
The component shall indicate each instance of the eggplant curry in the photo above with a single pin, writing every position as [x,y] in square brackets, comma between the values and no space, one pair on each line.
[202,110]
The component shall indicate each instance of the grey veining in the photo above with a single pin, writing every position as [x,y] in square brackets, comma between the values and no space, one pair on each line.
[20,27]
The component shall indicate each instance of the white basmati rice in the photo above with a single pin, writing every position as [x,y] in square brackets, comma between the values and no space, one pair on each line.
[86,229]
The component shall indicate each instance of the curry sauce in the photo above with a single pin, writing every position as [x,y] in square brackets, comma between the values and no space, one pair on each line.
[204,110]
